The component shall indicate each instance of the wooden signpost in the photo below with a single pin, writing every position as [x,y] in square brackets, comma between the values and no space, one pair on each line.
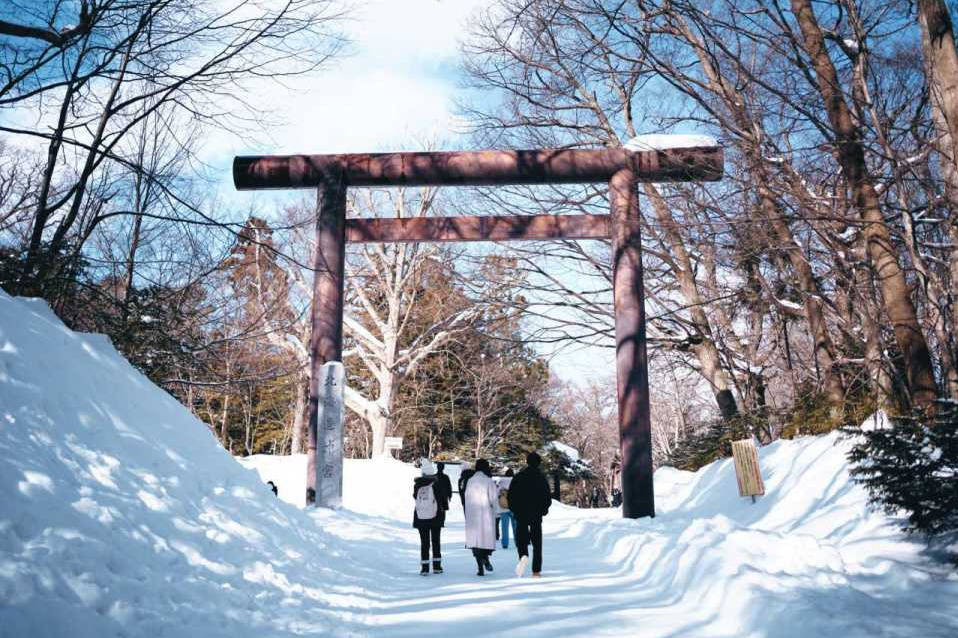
[747,471]
[619,168]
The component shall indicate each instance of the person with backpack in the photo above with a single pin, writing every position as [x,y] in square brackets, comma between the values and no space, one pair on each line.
[481,503]
[529,499]
[429,516]
[505,517]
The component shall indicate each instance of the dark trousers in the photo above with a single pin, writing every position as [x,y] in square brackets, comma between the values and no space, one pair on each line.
[424,535]
[482,557]
[480,553]
[530,530]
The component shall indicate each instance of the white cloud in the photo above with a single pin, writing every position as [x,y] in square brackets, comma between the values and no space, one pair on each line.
[397,87]
[365,111]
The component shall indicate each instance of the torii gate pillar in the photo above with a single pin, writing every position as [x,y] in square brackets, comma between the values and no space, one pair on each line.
[326,339]
[631,361]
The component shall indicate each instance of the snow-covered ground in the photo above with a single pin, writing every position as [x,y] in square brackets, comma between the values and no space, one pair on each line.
[122,516]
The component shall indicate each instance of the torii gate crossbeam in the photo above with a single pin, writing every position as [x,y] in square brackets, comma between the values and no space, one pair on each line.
[620,168]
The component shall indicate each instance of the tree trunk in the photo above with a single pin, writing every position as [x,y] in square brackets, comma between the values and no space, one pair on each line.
[710,363]
[823,348]
[299,415]
[131,265]
[941,72]
[89,166]
[378,423]
[941,63]
[880,380]
[44,210]
[881,251]
[751,132]
[224,420]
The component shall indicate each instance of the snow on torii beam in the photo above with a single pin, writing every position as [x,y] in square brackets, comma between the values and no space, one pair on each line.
[620,168]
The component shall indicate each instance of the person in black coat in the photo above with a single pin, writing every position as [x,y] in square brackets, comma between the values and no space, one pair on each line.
[443,483]
[464,477]
[429,527]
[529,501]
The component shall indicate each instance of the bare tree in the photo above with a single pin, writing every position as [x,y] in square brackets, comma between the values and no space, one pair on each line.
[823,265]
[851,156]
[387,335]
[941,72]
[388,283]
[564,84]
[93,84]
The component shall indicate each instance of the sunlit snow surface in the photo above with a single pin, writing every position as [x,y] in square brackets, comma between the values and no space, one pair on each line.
[122,516]
[662,141]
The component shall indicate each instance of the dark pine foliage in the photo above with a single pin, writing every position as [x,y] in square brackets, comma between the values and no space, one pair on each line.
[912,467]
[707,443]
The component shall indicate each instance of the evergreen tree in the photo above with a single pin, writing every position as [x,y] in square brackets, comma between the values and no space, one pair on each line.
[709,442]
[911,467]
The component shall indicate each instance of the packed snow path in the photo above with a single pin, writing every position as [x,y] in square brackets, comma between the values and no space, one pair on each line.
[678,575]
[122,516]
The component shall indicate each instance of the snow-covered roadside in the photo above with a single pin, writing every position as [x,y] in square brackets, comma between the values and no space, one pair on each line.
[122,516]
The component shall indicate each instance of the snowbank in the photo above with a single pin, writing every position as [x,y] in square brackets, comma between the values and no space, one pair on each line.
[122,516]
[378,487]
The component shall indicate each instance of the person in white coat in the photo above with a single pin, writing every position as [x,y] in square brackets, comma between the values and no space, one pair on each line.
[481,504]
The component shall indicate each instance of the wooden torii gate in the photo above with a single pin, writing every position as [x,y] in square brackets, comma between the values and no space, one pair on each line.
[620,168]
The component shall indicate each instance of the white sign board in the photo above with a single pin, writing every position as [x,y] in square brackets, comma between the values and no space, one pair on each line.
[393,443]
[329,435]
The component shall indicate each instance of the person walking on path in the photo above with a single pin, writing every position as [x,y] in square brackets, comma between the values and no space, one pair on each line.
[464,477]
[505,514]
[481,502]
[429,516]
[529,500]
[443,483]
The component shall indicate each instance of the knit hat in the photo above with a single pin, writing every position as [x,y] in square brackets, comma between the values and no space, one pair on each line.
[428,469]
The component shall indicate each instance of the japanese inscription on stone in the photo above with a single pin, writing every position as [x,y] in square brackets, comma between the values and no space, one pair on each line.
[329,432]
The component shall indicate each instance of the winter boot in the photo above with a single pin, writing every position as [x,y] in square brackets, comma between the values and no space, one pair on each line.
[436,567]
[424,570]
[481,571]
[487,563]
[521,566]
